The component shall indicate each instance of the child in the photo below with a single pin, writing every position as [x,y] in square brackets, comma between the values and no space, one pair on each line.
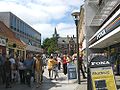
[55,70]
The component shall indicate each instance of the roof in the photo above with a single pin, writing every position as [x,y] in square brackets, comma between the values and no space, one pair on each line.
[65,40]
[9,34]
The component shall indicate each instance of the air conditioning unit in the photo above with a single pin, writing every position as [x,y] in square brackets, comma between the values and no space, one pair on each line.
[96,2]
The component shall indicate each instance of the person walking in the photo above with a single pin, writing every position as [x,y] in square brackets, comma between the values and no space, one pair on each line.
[7,68]
[28,63]
[21,69]
[13,68]
[64,61]
[38,70]
[55,70]
[51,62]
[81,66]
[59,62]
[2,73]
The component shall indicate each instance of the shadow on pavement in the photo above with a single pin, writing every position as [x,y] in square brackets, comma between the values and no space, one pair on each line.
[61,79]
[46,85]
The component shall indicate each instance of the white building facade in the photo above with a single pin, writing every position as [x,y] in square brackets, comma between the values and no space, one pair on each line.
[102,27]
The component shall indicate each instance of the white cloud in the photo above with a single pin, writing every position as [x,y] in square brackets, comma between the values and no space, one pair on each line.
[35,13]
[53,12]
[40,14]
[65,29]
[74,3]
[46,29]
[30,15]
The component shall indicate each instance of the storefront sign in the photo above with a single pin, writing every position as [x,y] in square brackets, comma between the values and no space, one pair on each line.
[109,28]
[103,78]
[101,34]
[100,63]
[2,42]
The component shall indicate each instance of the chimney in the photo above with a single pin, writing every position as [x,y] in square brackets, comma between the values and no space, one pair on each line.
[67,36]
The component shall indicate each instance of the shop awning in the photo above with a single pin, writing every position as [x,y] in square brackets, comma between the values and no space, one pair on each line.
[110,39]
[34,49]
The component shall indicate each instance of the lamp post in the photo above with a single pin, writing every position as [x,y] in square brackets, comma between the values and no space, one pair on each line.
[76,19]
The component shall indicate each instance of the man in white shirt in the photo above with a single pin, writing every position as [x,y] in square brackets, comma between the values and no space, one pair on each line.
[13,71]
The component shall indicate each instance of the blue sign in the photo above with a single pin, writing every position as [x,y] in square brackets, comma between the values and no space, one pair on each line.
[72,71]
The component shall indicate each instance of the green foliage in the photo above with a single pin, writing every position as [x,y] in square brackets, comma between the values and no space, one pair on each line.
[71,52]
[50,45]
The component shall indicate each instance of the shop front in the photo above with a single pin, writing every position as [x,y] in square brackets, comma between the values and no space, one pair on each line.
[16,49]
[107,39]
[10,45]
[114,57]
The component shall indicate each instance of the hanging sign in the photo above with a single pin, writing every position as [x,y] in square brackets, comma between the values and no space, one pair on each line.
[2,42]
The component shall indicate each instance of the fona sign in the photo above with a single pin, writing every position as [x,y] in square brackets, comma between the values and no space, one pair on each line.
[101,34]
[100,63]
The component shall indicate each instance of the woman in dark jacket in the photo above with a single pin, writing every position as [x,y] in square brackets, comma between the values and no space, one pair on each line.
[7,68]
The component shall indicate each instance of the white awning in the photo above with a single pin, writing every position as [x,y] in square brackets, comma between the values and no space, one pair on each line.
[110,39]
[34,49]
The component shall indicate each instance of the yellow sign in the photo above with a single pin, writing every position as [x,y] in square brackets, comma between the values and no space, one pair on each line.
[103,78]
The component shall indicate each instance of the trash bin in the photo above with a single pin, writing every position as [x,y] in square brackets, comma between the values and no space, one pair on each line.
[101,72]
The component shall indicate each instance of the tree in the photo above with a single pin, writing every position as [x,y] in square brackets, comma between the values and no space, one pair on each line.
[50,45]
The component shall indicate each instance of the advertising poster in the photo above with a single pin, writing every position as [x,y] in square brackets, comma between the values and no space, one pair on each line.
[103,78]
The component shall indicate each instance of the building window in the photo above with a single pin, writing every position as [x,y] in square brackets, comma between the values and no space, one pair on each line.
[17,24]
[11,21]
[14,22]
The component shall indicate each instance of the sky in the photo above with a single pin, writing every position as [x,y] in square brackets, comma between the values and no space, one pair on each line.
[45,15]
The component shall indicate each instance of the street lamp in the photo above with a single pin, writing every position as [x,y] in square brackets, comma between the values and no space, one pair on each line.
[76,19]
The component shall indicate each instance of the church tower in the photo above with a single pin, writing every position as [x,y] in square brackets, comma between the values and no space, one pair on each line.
[55,35]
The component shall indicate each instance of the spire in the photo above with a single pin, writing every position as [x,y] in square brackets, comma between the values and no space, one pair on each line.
[55,33]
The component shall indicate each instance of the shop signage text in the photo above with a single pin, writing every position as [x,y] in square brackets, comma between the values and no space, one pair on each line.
[101,34]
[100,63]
[101,73]
[109,28]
